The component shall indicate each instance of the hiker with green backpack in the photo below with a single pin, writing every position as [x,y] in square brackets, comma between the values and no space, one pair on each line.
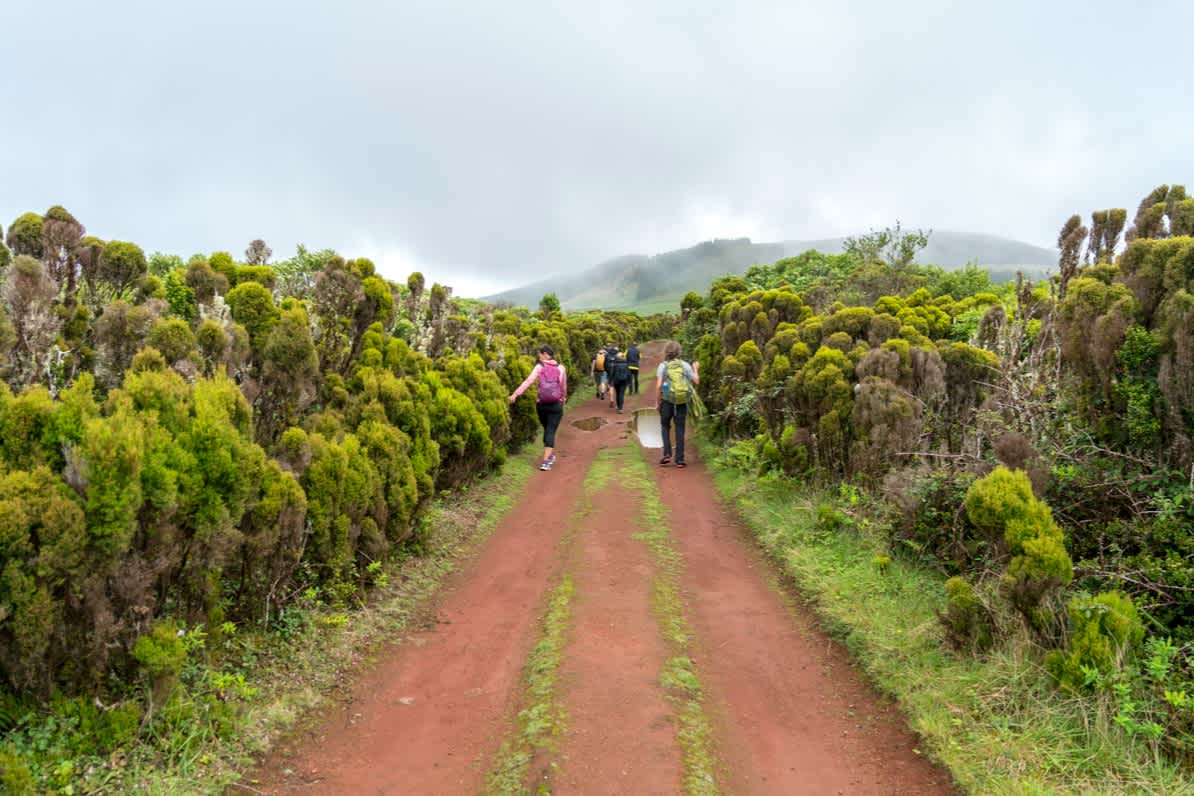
[674,383]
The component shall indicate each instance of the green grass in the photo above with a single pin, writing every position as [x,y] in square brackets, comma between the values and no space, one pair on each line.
[543,717]
[996,723]
[679,676]
[288,676]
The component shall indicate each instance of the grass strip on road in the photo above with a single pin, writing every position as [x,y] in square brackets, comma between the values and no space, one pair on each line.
[542,718]
[679,677]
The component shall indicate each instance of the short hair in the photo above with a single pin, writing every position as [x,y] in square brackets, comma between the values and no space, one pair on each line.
[546,349]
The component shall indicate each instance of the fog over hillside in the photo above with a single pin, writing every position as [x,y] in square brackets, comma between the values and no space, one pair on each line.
[636,280]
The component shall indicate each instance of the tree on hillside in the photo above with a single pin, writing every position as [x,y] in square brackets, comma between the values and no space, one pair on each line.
[1150,214]
[1070,241]
[61,235]
[258,253]
[890,245]
[296,275]
[122,264]
[29,298]
[1105,228]
[549,305]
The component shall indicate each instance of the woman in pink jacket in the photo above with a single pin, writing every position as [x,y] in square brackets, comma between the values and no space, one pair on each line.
[552,393]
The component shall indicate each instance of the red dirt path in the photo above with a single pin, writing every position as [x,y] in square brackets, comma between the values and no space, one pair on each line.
[430,717]
[622,735]
[790,715]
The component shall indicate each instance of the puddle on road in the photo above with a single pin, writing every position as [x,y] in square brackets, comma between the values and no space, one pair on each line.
[645,426]
[591,424]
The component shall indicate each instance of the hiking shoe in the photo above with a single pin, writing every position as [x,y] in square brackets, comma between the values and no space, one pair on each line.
[545,465]
[551,459]
[666,460]
[619,411]
[681,464]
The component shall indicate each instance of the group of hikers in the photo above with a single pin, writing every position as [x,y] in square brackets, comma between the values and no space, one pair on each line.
[614,372]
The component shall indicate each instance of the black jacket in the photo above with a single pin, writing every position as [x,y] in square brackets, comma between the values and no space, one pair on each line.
[619,371]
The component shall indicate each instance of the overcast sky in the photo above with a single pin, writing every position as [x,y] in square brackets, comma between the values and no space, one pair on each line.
[490,144]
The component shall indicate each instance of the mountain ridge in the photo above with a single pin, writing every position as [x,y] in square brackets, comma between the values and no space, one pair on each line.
[637,280]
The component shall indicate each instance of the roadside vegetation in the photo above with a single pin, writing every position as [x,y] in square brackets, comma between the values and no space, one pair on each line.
[193,452]
[988,491]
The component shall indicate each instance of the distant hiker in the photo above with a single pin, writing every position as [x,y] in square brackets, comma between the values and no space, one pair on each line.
[619,378]
[598,372]
[674,382]
[611,353]
[553,392]
[632,360]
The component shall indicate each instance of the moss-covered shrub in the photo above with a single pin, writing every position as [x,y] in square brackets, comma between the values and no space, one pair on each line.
[967,622]
[1105,631]
[1003,502]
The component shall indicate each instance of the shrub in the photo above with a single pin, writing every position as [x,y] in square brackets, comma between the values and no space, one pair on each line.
[1105,630]
[252,306]
[968,624]
[173,338]
[1003,501]
[161,654]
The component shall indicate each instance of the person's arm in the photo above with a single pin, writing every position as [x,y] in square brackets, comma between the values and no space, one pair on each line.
[563,384]
[659,384]
[523,387]
[696,371]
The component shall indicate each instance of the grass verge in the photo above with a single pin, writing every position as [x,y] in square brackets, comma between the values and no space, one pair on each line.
[679,676]
[996,723]
[273,680]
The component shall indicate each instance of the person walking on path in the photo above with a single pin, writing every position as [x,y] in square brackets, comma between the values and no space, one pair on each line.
[619,378]
[611,353]
[674,382]
[553,393]
[632,359]
[598,372]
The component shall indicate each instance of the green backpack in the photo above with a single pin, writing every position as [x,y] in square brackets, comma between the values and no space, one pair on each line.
[676,387]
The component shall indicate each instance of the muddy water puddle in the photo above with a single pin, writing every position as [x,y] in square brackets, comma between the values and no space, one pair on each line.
[645,426]
[590,423]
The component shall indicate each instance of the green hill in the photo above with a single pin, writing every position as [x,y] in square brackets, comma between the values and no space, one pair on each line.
[657,283]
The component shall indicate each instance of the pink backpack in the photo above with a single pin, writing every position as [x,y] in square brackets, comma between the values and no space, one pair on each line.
[551,388]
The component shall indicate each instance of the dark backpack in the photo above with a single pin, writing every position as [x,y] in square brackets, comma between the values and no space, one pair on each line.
[619,372]
[551,387]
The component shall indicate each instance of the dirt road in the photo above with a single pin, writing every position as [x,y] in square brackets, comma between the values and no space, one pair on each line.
[679,667]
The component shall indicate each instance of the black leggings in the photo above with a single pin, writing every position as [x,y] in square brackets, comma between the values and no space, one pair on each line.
[634,381]
[550,416]
[620,391]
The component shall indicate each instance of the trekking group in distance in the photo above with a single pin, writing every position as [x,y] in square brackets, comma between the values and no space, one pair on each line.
[614,373]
